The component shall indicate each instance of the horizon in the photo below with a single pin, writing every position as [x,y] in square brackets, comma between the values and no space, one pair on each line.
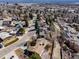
[39,1]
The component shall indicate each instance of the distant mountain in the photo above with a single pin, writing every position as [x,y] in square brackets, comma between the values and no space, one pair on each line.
[39,1]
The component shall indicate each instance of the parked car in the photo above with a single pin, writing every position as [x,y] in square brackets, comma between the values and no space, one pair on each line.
[1,45]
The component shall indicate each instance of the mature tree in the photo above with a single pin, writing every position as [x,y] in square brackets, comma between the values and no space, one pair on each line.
[37,28]
[47,18]
[30,15]
[26,20]
[21,31]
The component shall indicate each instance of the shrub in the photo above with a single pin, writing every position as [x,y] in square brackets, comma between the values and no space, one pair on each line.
[21,31]
[35,56]
[33,43]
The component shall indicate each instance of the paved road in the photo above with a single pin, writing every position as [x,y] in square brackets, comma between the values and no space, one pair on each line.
[45,55]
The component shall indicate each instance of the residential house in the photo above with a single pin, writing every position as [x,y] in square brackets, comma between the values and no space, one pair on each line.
[7,21]
[3,35]
[14,23]
[1,22]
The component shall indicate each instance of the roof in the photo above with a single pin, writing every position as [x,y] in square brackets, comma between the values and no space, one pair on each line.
[3,35]
[1,27]
[8,19]
[1,22]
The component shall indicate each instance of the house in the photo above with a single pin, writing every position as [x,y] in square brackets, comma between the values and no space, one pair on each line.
[13,23]
[1,22]
[15,18]
[6,23]
[17,27]
[13,32]
[3,35]
[2,28]
[71,10]
[1,18]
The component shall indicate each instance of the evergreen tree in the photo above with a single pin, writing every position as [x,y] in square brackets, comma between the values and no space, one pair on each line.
[37,28]
[30,15]
[26,21]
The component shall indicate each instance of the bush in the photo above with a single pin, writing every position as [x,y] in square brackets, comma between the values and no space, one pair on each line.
[35,56]
[21,31]
[33,43]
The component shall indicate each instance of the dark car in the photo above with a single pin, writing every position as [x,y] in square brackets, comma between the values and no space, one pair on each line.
[1,46]
[1,40]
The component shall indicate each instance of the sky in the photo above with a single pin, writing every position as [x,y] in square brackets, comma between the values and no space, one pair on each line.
[42,1]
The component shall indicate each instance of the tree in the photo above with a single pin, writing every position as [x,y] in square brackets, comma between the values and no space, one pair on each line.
[26,21]
[21,31]
[47,18]
[51,22]
[38,16]
[35,56]
[33,43]
[55,16]
[30,15]
[37,28]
